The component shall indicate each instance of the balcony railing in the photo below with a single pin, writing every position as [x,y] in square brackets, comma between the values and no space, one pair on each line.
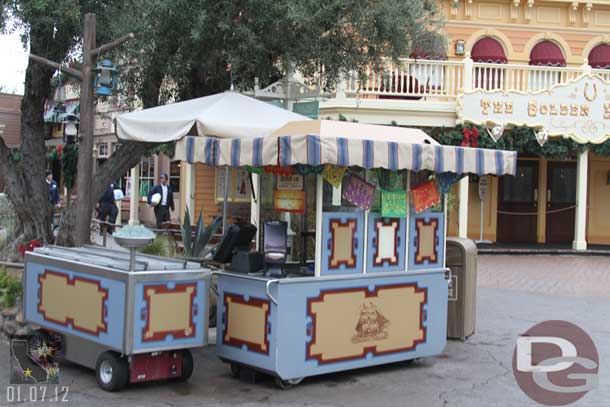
[413,79]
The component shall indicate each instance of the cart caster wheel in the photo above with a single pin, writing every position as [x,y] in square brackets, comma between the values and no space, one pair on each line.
[235,370]
[187,365]
[287,384]
[111,371]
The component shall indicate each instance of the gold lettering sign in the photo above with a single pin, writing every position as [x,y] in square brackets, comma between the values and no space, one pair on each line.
[583,101]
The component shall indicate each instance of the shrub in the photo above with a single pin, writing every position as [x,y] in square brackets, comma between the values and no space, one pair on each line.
[159,247]
[10,288]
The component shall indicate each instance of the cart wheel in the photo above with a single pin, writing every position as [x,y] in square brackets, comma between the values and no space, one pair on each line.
[111,371]
[187,365]
[235,369]
[287,384]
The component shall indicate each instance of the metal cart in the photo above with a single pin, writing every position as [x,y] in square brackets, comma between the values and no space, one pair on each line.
[130,323]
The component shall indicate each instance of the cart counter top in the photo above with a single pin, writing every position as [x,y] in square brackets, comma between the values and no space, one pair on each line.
[117,260]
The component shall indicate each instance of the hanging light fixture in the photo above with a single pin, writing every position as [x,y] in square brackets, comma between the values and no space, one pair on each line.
[70,129]
[59,97]
[105,78]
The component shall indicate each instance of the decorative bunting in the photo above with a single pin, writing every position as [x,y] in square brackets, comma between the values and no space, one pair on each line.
[425,196]
[278,170]
[446,180]
[393,204]
[333,174]
[254,170]
[359,192]
[302,169]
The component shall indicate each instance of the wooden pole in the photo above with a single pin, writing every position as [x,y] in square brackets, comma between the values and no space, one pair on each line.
[84,179]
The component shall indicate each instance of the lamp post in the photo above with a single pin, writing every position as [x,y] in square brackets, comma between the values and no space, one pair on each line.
[88,76]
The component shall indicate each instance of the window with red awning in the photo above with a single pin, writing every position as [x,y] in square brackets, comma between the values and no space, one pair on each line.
[599,57]
[547,53]
[488,50]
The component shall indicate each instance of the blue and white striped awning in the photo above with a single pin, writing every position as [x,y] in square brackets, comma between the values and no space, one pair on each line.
[316,150]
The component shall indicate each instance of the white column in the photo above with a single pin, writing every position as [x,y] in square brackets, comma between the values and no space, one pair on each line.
[134,196]
[463,208]
[319,234]
[189,188]
[580,242]
[463,204]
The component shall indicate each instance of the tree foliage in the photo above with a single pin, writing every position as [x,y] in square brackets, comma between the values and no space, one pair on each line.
[192,44]
[192,48]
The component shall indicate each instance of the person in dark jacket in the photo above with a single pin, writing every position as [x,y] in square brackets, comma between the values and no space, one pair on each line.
[52,196]
[166,204]
[107,208]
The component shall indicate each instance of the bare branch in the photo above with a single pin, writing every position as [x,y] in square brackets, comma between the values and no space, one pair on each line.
[72,72]
[111,45]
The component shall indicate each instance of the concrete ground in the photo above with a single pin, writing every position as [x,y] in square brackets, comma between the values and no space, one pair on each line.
[514,293]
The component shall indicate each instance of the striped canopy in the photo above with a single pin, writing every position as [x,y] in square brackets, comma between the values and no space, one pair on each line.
[315,150]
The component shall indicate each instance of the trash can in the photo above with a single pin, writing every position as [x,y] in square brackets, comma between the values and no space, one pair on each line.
[462,261]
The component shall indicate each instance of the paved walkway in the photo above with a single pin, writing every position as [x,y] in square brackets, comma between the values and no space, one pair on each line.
[513,294]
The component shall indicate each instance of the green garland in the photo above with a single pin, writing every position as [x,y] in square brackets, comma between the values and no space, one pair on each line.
[522,140]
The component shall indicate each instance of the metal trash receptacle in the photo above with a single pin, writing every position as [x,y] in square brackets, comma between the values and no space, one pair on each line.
[461,313]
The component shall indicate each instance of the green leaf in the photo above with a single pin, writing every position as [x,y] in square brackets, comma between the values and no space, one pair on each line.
[187,233]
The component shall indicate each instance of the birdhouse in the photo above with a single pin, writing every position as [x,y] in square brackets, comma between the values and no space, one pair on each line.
[105,78]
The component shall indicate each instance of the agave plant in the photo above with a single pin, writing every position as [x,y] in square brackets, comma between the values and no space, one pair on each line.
[195,244]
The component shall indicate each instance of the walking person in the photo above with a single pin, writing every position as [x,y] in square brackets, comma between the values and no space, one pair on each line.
[107,209]
[165,204]
[52,196]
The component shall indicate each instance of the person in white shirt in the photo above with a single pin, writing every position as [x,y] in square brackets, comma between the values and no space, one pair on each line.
[162,209]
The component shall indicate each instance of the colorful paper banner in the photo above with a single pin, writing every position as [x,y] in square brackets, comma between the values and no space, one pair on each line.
[446,180]
[359,192]
[289,200]
[394,204]
[333,174]
[425,196]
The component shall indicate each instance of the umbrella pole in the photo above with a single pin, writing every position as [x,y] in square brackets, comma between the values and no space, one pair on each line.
[225,200]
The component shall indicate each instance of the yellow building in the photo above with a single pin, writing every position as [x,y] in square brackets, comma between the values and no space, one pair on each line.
[523,45]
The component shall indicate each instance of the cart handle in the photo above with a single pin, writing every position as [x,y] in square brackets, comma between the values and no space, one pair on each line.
[449,274]
[268,292]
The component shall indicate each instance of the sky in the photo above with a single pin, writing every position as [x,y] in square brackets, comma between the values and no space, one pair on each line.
[14,62]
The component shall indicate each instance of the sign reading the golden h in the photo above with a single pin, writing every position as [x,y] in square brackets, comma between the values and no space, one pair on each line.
[578,109]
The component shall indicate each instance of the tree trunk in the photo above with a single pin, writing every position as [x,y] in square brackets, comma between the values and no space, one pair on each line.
[25,168]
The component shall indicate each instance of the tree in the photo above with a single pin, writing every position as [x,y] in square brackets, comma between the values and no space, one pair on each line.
[53,31]
[191,43]
[184,49]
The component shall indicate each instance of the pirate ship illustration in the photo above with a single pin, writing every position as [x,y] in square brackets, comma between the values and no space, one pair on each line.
[372,325]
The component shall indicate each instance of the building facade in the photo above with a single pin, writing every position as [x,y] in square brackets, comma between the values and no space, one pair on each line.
[104,145]
[519,45]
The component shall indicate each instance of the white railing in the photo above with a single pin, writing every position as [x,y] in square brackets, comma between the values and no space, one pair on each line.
[520,77]
[413,79]
[410,79]
[604,73]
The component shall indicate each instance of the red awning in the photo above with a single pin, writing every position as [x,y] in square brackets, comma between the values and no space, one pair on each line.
[488,50]
[547,53]
[599,57]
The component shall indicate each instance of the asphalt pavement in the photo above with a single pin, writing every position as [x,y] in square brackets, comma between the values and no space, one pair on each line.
[514,293]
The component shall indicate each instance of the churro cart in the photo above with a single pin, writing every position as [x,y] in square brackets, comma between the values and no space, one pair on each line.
[131,317]
[376,292]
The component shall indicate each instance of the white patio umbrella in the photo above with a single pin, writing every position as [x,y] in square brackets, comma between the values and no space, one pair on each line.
[224,115]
